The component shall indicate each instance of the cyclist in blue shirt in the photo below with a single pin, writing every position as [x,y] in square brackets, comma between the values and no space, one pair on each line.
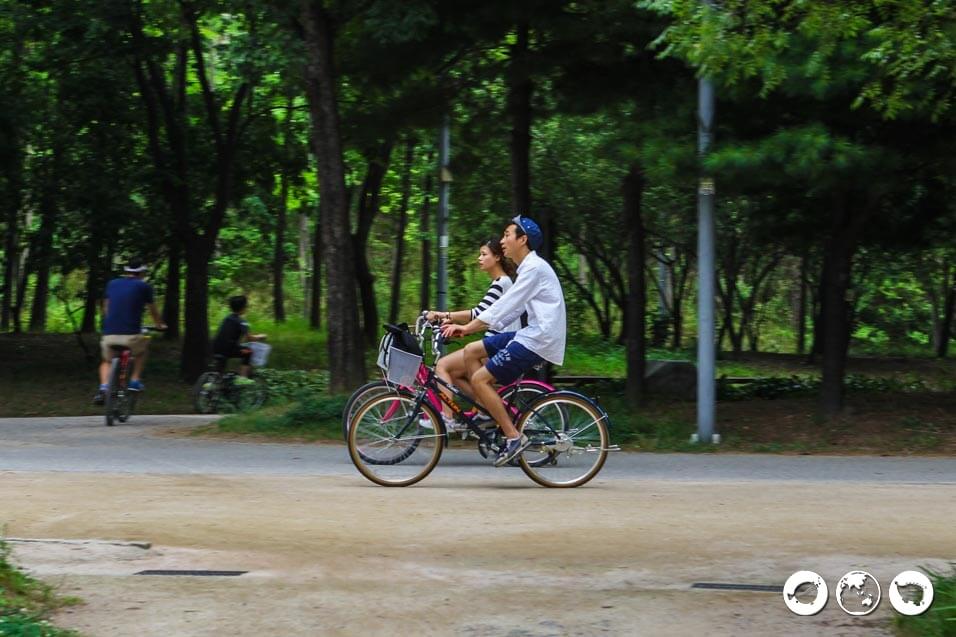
[123,304]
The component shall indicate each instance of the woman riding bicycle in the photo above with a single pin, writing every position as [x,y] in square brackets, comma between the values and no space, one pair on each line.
[451,368]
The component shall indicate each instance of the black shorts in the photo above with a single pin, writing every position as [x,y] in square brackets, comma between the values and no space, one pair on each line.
[240,352]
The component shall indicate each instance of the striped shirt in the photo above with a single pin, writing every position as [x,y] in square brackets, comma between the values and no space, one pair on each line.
[498,287]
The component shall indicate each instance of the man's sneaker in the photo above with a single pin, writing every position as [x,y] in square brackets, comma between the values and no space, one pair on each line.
[136,385]
[511,450]
[100,396]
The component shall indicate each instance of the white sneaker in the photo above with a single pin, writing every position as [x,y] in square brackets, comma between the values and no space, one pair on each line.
[451,424]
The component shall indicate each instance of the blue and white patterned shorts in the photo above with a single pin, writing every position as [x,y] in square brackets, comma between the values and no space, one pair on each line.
[508,359]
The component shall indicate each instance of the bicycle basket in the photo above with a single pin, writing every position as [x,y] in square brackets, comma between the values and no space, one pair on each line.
[402,366]
[260,353]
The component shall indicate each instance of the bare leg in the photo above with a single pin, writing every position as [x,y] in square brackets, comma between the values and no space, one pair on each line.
[484,386]
[104,372]
[475,357]
[451,369]
[245,370]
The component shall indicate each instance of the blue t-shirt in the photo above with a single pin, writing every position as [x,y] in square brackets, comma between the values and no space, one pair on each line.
[127,297]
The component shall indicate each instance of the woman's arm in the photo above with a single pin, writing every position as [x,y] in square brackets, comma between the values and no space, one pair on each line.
[459,316]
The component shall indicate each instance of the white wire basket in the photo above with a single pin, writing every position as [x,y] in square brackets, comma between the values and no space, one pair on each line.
[260,353]
[402,367]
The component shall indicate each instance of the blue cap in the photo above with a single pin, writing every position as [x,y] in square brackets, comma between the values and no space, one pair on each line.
[530,228]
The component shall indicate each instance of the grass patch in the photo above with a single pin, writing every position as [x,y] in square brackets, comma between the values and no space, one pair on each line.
[314,418]
[26,604]
[940,619]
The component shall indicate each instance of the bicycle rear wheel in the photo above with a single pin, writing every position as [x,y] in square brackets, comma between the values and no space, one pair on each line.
[206,392]
[361,396]
[394,443]
[568,440]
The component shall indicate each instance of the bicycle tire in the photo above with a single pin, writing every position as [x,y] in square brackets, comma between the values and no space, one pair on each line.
[383,423]
[571,431]
[111,403]
[250,396]
[127,404]
[359,397]
[206,399]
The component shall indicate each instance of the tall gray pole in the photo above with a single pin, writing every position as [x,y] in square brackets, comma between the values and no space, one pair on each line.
[444,186]
[706,348]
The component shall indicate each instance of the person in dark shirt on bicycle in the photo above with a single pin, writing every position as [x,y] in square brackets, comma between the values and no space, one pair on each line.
[123,304]
[233,330]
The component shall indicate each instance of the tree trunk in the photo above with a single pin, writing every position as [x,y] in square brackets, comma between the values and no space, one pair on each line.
[402,221]
[315,308]
[304,262]
[278,259]
[9,263]
[93,294]
[519,111]
[424,223]
[368,205]
[835,310]
[196,332]
[949,315]
[172,295]
[802,306]
[636,306]
[22,276]
[346,354]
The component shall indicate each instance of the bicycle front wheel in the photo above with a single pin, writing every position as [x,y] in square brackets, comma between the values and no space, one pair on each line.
[394,443]
[568,440]
[250,395]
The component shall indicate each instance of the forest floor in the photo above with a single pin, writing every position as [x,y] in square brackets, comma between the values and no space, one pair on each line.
[50,375]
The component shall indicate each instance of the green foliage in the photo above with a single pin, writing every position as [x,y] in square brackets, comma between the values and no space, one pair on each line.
[940,619]
[796,385]
[315,417]
[25,603]
[293,384]
[900,54]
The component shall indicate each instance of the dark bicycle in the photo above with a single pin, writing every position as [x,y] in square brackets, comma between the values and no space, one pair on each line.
[120,400]
[397,439]
[218,390]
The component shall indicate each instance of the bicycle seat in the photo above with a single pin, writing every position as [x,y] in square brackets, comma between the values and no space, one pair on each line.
[119,348]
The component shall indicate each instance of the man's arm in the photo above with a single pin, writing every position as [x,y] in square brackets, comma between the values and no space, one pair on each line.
[157,319]
[452,330]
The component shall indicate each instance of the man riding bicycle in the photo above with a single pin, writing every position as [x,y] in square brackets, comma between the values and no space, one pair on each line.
[123,304]
[511,354]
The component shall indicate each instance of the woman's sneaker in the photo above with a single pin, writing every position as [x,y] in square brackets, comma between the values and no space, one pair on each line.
[511,450]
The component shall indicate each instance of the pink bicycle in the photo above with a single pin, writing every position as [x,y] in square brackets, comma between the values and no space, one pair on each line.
[517,395]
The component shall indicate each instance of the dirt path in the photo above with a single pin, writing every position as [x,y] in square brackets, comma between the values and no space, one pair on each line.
[334,555]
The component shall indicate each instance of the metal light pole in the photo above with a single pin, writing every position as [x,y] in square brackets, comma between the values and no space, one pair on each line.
[706,348]
[444,186]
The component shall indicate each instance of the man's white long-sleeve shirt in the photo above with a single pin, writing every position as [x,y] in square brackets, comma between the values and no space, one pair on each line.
[537,291]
